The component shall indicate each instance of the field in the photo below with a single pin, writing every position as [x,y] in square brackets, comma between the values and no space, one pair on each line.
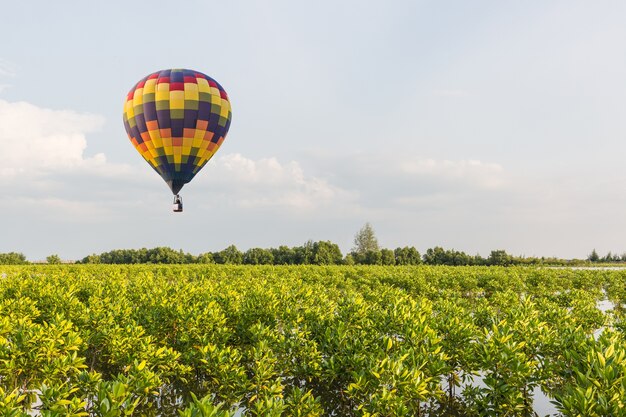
[310,341]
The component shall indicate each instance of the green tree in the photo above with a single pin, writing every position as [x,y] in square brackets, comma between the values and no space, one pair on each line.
[205,258]
[160,255]
[121,256]
[326,253]
[304,254]
[53,259]
[258,256]
[478,260]
[230,255]
[499,257]
[370,257]
[365,240]
[387,257]
[441,256]
[90,259]
[435,256]
[407,256]
[284,255]
[12,258]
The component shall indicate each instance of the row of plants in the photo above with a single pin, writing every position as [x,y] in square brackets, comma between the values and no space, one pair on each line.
[194,340]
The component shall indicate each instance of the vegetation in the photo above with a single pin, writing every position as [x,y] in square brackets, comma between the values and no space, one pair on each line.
[320,253]
[12,258]
[212,340]
[53,259]
[365,240]
[608,258]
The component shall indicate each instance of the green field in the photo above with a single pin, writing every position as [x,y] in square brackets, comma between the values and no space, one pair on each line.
[309,341]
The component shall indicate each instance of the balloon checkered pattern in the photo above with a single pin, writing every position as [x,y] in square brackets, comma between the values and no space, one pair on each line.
[177,119]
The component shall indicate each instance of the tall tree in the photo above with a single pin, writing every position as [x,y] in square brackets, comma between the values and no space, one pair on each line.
[365,240]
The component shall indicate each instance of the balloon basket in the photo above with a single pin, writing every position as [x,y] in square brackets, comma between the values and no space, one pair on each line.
[178,204]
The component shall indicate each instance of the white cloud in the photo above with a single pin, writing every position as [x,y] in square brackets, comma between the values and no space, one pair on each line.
[39,145]
[355,184]
[36,140]
[47,151]
[266,182]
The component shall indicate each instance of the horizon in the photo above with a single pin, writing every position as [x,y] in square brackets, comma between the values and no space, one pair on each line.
[344,253]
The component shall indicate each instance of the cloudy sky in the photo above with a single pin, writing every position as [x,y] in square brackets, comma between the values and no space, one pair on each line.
[473,125]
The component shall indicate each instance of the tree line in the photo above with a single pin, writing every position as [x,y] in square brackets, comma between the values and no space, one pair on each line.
[311,253]
[12,258]
[608,258]
[366,251]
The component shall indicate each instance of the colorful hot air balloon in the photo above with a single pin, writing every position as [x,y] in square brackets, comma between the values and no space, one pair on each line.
[177,119]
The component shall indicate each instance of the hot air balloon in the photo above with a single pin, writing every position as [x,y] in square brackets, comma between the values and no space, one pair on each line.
[177,119]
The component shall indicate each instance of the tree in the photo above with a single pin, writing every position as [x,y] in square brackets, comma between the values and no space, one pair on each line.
[499,257]
[162,255]
[230,255]
[326,253]
[370,257]
[373,257]
[365,240]
[407,256]
[205,258]
[435,256]
[53,259]
[122,256]
[12,258]
[387,257]
[258,256]
[90,259]
[284,255]
[304,254]
[478,260]
[441,256]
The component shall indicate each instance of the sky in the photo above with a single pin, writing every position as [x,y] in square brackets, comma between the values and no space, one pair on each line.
[473,125]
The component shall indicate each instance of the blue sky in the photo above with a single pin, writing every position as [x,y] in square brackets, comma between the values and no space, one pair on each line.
[473,125]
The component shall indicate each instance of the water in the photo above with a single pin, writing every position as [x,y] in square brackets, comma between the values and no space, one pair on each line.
[541,403]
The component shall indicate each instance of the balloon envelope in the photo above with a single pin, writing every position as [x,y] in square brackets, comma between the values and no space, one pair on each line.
[177,119]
